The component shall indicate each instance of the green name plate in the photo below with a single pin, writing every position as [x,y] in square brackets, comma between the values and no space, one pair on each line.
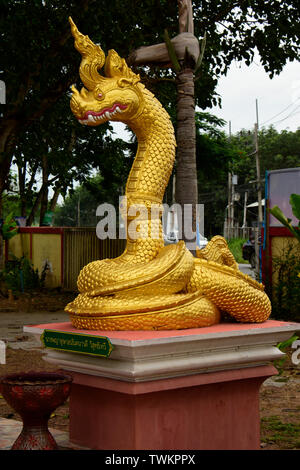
[77,343]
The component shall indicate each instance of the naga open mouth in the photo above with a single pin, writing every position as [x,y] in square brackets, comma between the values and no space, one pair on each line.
[108,113]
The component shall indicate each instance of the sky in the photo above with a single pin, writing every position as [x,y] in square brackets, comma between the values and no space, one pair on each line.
[278,99]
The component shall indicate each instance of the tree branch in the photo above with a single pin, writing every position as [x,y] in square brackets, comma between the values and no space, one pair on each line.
[223,14]
[54,49]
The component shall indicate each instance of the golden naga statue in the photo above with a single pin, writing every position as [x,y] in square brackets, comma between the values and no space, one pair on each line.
[151,286]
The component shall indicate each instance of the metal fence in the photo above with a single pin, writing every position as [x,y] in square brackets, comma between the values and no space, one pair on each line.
[238,232]
[81,246]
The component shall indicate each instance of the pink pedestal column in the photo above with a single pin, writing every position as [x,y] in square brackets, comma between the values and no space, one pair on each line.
[167,390]
[208,411]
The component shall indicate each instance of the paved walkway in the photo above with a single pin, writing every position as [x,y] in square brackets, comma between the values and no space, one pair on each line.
[10,430]
[11,326]
[246,269]
[11,332]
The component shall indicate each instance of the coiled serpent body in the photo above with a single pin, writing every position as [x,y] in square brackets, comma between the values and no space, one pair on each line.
[151,286]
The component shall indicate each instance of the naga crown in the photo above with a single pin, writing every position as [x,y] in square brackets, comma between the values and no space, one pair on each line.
[93,59]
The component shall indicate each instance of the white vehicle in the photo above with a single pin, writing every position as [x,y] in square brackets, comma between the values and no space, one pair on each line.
[201,241]
[171,234]
[172,237]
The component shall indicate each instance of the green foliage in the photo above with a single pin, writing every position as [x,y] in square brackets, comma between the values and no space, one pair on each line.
[295,203]
[215,154]
[286,284]
[81,204]
[276,150]
[20,276]
[72,152]
[11,204]
[278,214]
[38,75]
[285,435]
[235,246]
[286,287]
[44,64]
[235,29]
[9,227]
[172,52]
[201,55]
[284,346]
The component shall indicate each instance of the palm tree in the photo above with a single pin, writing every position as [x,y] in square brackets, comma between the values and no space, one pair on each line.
[183,54]
[186,170]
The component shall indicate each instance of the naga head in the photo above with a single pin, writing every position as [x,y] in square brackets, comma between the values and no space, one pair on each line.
[113,97]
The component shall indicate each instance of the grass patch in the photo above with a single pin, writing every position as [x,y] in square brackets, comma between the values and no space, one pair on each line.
[235,246]
[285,435]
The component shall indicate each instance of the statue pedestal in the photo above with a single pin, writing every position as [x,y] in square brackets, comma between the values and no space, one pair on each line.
[179,389]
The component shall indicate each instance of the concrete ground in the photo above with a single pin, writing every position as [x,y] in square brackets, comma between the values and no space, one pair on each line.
[11,332]
[11,326]
[246,269]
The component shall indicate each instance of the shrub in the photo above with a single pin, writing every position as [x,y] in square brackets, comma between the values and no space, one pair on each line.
[20,276]
[286,285]
[235,246]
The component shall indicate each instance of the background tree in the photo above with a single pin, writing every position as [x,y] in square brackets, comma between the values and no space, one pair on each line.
[80,205]
[79,208]
[39,62]
[183,56]
[235,30]
[277,150]
[215,155]
[57,151]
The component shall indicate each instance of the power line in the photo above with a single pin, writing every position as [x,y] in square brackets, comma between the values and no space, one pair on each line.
[290,115]
[287,107]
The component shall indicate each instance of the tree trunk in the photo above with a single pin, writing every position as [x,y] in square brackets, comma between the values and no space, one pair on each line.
[187,51]
[44,205]
[8,131]
[44,198]
[22,179]
[186,174]
[7,143]
[54,199]
[158,53]
[28,194]
[35,207]
[185,13]
[2,261]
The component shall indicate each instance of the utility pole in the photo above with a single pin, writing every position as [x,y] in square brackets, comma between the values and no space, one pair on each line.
[229,208]
[259,198]
[260,214]
[233,183]
[78,211]
[245,213]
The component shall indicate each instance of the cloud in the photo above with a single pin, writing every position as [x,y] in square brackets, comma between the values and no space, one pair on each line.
[278,98]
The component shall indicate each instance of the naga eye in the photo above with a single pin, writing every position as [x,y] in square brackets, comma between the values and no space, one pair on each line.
[98,94]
